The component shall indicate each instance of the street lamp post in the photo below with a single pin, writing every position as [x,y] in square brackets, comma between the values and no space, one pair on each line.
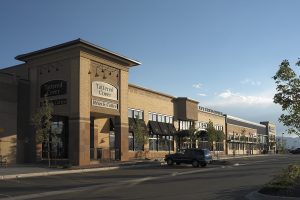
[282,141]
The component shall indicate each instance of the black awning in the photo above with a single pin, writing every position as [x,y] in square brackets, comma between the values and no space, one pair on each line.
[142,123]
[164,128]
[154,127]
[131,124]
[183,133]
[172,129]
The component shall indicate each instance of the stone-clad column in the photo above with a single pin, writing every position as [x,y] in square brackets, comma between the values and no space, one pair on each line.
[121,129]
[79,121]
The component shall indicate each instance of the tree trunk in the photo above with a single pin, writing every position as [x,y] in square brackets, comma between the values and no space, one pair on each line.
[49,161]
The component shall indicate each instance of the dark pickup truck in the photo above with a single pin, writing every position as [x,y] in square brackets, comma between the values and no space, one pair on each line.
[195,157]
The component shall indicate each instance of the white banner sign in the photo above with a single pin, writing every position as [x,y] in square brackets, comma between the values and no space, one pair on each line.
[104,104]
[104,90]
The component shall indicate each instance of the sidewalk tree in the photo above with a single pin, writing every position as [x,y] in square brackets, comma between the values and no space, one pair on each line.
[288,96]
[42,124]
[220,137]
[141,136]
[243,138]
[211,134]
[193,135]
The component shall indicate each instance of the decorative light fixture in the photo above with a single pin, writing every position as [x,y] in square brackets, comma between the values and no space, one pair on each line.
[97,75]
[105,69]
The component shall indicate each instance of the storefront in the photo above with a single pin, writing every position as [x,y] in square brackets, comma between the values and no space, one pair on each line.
[96,111]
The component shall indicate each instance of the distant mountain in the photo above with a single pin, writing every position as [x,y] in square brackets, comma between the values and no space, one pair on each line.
[291,143]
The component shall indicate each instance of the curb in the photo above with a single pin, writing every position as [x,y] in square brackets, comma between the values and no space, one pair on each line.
[258,196]
[74,171]
[250,156]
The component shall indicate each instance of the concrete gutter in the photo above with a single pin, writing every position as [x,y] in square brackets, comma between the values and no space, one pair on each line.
[240,156]
[75,171]
[258,196]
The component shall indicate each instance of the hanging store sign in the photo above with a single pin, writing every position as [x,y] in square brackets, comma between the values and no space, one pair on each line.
[104,104]
[104,90]
[54,88]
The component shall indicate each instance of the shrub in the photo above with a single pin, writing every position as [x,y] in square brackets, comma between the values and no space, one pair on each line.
[284,182]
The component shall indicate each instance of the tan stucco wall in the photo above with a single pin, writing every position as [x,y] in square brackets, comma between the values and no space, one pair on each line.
[8,118]
[216,119]
[237,130]
[148,101]
[231,128]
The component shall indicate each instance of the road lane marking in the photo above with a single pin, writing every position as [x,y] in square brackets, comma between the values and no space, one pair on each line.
[128,183]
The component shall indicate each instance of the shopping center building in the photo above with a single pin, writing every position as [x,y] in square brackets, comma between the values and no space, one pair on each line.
[96,111]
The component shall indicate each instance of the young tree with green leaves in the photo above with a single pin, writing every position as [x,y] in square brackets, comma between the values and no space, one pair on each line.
[42,124]
[141,136]
[193,135]
[243,138]
[211,134]
[288,96]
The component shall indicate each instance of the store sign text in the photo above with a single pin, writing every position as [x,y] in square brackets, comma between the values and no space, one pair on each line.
[56,102]
[104,104]
[54,88]
[104,90]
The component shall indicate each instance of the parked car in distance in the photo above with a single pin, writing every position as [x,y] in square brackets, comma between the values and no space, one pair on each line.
[295,151]
[195,157]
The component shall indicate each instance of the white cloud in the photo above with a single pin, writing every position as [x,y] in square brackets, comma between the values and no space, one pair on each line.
[228,97]
[198,85]
[251,82]
[202,94]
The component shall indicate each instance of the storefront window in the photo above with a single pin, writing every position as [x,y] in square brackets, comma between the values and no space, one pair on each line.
[112,139]
[171,120]
[153,143]
[159,118]
[171,143]
[130,113]
[163,143]
[150,117]
[133,113]
[58,140]
[130,141]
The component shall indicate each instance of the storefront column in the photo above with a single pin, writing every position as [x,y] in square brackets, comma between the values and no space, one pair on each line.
[79,141]
[121,139]
[121,129]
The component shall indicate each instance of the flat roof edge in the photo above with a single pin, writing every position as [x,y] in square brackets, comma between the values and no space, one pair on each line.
[23,57]
[150,90]
[245,121]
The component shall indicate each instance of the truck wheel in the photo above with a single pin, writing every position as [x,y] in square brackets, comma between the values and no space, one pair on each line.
[169,161]
[195,163]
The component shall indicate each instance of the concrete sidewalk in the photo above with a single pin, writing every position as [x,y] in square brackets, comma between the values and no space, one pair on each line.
[25,171]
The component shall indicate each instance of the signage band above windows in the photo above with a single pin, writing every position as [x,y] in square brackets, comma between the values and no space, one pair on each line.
[104,90]
[105,104]
[53,88]
[56,102]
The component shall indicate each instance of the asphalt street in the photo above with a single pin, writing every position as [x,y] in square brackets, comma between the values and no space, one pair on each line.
[232,181]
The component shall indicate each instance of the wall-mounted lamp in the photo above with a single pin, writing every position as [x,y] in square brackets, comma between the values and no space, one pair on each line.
[105,70]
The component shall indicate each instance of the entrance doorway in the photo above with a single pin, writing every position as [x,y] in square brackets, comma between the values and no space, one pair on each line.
[102,139]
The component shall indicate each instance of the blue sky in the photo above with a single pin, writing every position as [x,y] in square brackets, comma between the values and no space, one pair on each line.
[221,53]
